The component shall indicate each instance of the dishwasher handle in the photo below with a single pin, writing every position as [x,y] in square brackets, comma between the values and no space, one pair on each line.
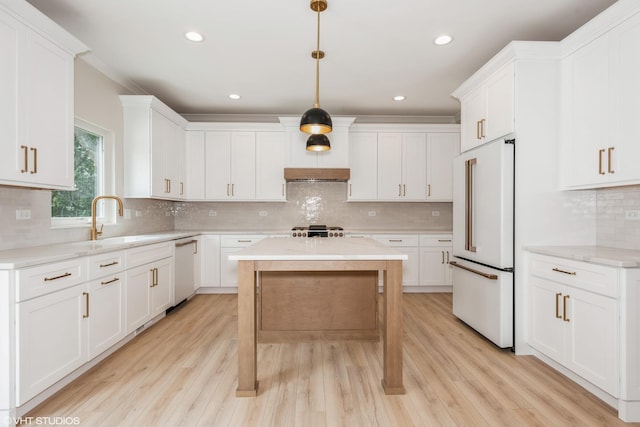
[190,242]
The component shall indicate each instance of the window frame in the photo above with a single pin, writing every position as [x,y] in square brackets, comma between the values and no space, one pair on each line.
[106,212]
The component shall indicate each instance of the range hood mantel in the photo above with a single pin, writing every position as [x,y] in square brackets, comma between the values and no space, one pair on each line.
[317,174]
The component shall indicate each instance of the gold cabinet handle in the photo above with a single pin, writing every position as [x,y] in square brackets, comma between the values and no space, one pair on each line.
[399,190]
[482,122]
[609,155]
[428,190]
[109,264]
[35,160]
[447,257]
[154,277]
[564,308]
[558,306]
[600,153]
[395,240]
[86,301]
[233,190]
[282,190]
[442,252]
[349,190]
[181,188]
[228,190]
[557,270]
[468,209]
[404,190]
[49,279]
[108,282]
[478,129]
[25,156]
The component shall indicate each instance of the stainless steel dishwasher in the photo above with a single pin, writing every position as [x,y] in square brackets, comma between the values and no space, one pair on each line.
[185,253]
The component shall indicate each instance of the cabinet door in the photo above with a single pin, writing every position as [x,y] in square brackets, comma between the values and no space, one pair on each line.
[137,296]
[243,165]
[218,165]
[592,346]
[389,166]
[363,160]
[209,261]
[48,80]
[51,339]
[195,165]
[414,166]
[162,289]
[472,114]
[586,77]
[626,63]
[547,333]
[11,98]
[164,156]
[228,268]
[500,110]
[106,314]
[441,149]
[270,159]
[411,266]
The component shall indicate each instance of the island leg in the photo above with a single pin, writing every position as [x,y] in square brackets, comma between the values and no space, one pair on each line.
[247,334]
[392,329]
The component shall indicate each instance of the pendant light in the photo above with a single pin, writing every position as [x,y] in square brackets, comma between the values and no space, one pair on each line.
[318,142]
[316,120]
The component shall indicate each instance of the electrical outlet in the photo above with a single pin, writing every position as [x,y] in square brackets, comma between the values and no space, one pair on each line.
[213,213]
[372,213]
[22,214]
[435,213]
[263,213]
[632,214]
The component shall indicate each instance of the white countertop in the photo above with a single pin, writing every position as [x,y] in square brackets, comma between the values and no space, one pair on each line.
[614,257]
[318,249]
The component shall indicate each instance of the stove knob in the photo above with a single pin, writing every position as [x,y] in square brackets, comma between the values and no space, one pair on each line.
[341,234]
[304,234]
[331,234]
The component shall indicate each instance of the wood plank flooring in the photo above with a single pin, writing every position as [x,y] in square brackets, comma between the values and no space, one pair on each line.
[183,372]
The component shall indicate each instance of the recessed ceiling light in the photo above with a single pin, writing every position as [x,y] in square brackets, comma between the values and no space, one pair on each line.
[234,96]
[399,98]
[443,39]
[194,37]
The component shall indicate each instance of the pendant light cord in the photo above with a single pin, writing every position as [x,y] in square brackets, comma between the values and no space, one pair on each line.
[317,104]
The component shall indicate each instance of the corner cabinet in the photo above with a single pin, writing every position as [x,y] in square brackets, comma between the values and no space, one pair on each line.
[601,105]
[153,139]
[584,317]
[36,106]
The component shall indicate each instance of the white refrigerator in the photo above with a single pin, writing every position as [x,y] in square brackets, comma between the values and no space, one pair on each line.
[483,245]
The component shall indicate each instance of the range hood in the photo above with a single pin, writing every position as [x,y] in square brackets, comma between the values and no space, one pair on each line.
[317,174]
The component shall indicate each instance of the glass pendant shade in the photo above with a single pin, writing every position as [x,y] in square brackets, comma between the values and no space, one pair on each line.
[316,121]
[318,142]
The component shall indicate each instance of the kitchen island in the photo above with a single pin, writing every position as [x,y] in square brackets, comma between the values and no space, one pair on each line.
[319,255]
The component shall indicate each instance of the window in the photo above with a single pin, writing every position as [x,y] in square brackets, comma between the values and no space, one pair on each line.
[92,149]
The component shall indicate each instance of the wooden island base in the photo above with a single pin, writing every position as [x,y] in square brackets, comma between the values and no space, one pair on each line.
[320,305]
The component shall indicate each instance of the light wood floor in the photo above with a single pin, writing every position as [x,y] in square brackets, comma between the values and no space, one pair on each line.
[182,372]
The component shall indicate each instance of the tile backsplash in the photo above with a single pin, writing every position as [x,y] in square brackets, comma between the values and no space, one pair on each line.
[308,203]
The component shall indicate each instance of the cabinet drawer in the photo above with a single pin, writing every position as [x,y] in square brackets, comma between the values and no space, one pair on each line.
[398,239]
[105,264]
[590,277]
[436,240]
[41,280]
[239,241]
[147,254]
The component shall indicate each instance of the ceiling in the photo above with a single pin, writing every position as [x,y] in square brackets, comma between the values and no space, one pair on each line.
[262,51]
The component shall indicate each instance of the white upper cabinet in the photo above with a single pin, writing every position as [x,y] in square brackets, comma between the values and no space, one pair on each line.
[36,102]
[441,149]
[299,157]
[270,158]
[487,112]
[401,166]
[363,162]
[601,105]
[153,138]
[230,165]
[195,165]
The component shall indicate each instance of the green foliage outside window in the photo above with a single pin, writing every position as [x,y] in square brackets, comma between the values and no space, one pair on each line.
[87,151]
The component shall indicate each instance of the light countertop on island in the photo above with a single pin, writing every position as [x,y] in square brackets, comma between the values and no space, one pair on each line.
[326,249]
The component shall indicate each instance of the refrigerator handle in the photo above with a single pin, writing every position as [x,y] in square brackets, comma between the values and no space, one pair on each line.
[479,273]
[468,211]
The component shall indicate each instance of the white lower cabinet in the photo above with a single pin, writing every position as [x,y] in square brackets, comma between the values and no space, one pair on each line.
[583,316]
[435,253]
[106,313]
[407,244]
[208,262]
[51,334]
[228,245]
[149,287]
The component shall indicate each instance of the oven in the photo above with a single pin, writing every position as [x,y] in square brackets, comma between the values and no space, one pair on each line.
[317,230]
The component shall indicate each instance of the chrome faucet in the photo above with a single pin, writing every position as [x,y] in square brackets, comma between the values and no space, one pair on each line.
[94,228]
